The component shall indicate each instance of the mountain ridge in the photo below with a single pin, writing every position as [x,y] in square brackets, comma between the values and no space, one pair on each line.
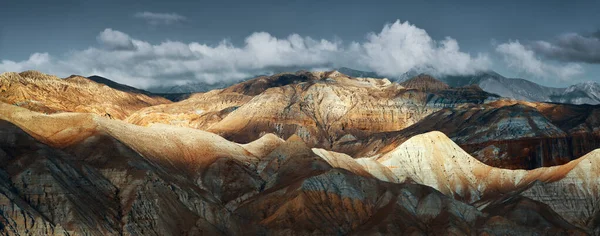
[214,184]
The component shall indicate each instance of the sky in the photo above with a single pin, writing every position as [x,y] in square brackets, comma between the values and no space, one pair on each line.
[154,43]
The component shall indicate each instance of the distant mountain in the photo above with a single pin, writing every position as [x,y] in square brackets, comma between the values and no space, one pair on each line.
[582,93]
[175,96]
[493,82]
[358,73]
[521,89]
[489,81]
[197,87]
[425,82]
[516,88]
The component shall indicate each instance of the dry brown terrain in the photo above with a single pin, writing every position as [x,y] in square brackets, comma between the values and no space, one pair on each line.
[279,186]
[306,153]
[49,94]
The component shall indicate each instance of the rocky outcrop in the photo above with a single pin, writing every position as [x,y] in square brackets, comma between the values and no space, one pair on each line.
[49,94]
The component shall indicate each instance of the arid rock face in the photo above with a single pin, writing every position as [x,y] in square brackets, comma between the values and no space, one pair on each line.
[49,94]
[323,154]
[165,180]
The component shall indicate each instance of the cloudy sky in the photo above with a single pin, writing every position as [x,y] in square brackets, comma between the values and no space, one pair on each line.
[153,43]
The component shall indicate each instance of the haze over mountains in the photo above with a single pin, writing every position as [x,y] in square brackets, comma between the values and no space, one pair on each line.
[301,153]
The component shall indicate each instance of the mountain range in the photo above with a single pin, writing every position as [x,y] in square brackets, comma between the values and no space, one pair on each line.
[521,89]
[489,81]
[295,153]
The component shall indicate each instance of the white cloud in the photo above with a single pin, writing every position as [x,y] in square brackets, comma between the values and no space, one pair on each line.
[113,39]
[398,48]
[160,18]
[36,60]
[518,57]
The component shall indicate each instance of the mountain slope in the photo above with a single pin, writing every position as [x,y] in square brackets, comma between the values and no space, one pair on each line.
[117,86]
[332,107]
[503,133]
[50,94]
[165,180]
[432,159]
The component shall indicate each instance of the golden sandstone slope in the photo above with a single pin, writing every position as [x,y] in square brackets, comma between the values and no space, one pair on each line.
[234,173]
[199,111]
[50,94]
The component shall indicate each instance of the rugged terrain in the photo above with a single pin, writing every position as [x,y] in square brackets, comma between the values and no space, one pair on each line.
[305,153]
[50,94]
[508,134]
[322,108]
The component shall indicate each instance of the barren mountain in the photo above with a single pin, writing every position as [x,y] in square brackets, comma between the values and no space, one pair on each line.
[330,107]
[504,133]
[305,153]
[362,116]
[45,93]
[432,159]
[165,180]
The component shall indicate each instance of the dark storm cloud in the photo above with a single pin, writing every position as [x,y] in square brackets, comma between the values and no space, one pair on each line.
[571,47]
